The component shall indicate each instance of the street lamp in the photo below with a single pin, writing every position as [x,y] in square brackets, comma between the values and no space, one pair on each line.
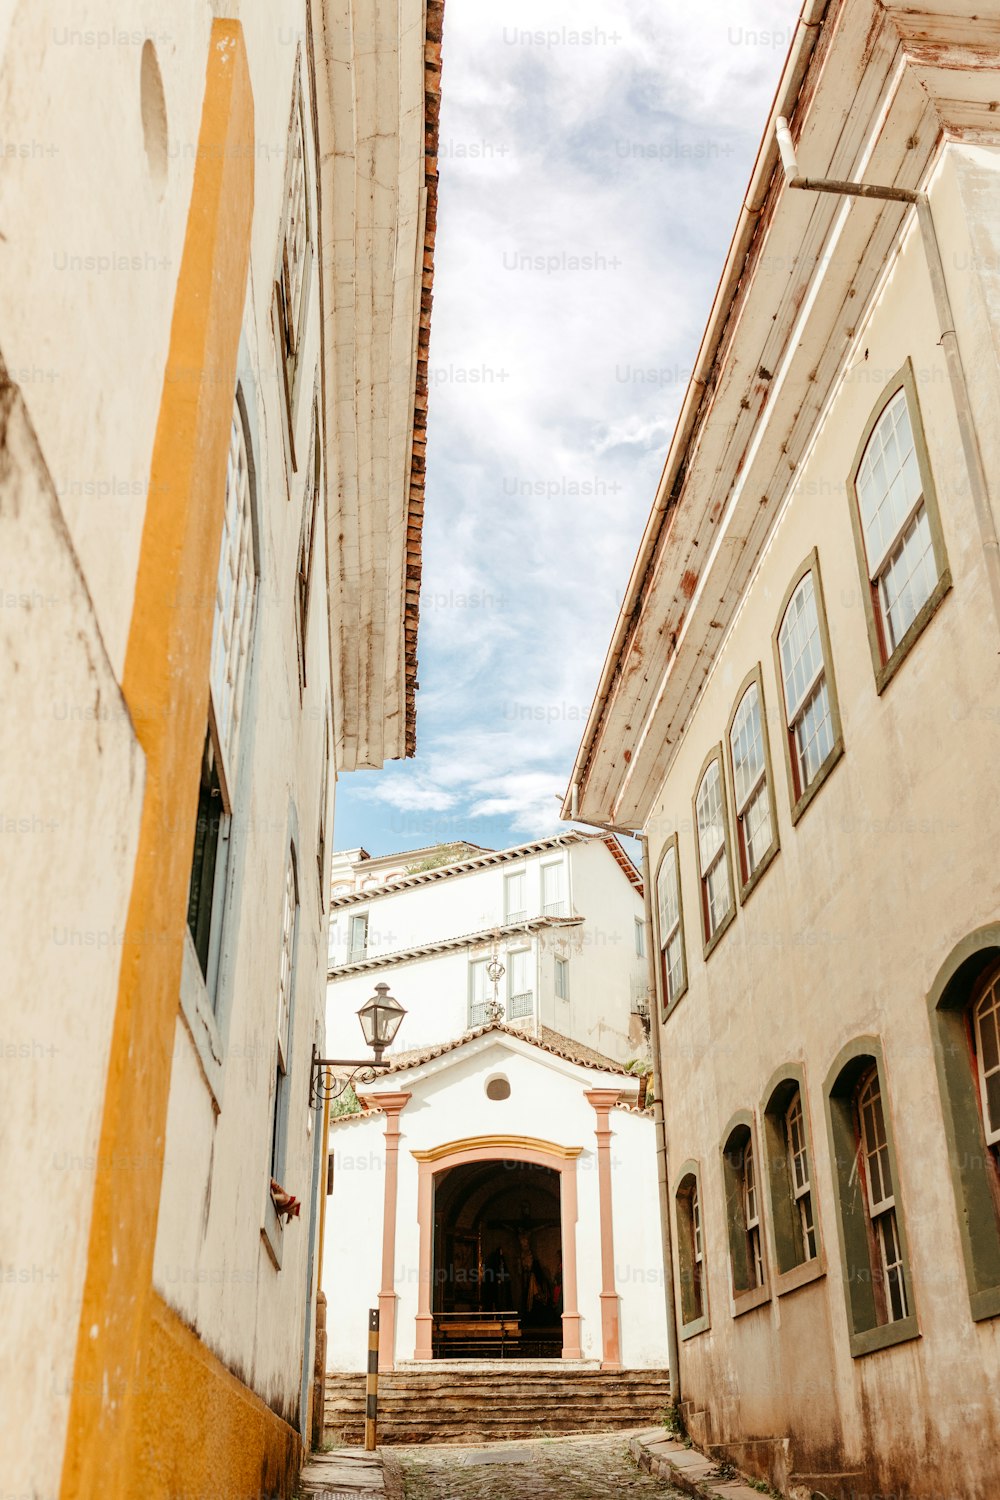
[380,1019]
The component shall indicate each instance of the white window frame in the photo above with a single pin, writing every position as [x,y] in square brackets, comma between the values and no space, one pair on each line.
[640,938]
[476,966]
[798,1174]
[285,1004]
[670,919]
[513,913]
[880,1194]
[898,414]
[307,537]
[714,864]
[555,908]
[988,1005]
[235,608]
[356,954]
[751,789]
[751,1216]
[520,1002]
[798,701]
[562,978]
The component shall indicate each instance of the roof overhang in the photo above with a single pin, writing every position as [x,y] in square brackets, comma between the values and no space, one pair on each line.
[870,90]
[378,84]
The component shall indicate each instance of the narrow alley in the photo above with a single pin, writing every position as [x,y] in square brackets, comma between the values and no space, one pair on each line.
[575,1468]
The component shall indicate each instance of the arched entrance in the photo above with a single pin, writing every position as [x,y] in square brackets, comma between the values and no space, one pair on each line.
[497,1263]
[497,1218]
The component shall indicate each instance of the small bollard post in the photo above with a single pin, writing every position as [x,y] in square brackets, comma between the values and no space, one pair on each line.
[371,1384]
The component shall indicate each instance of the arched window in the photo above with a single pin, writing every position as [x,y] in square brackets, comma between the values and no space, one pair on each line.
[888,1274]
[897,526]
[788,1153]
[813,741]
[986,1041]
[673,967]
[876,1273]
[965,1025]
[753,811]
[743,1213]
[690,1253]
[799,1176]
[717,908]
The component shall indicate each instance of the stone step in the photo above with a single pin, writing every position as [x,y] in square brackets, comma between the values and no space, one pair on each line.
[462,1405]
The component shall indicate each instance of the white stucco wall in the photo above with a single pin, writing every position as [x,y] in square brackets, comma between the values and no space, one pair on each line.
[435,990]
[449,1103]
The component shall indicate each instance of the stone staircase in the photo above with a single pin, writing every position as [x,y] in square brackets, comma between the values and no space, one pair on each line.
[461,1402]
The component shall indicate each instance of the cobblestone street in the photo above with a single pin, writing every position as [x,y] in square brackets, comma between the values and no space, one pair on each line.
[576,1468]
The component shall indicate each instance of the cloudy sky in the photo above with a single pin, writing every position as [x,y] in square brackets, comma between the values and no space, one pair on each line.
[593,158]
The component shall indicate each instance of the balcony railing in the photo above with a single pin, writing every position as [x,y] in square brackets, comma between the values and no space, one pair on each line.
[521,1005]
[639,994]
[515,916]
[554,909]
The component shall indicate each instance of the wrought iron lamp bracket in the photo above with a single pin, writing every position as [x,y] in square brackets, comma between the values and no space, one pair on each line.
[324,1086]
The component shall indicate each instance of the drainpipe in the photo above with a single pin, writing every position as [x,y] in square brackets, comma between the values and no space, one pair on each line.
[946,324]
[659,1120]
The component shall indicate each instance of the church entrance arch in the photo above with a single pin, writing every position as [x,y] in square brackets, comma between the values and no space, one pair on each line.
[497,1221]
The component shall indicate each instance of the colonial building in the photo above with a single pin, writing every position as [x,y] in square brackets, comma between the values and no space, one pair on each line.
[799,709]
[489,1199]
[217,246]
[552,931]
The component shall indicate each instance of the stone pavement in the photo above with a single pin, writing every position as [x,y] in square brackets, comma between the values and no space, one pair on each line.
[585,1467]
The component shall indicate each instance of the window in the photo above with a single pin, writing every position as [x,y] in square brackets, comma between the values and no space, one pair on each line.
[292,271]
[964,1020]
[798,1171]
[673,965]
[756,830]
[897,526]
[234,612]
[324,791]
[520,990]
[873,1161]
[986,1042]
[562,979]
[746,1250]
[303,571]
[285,998]
[876,1275]
[554,890]
[357,938]
[515,899]
[788,1155]
[813,739]
[480,991]
[690,1254]
[235,600]
[640,938]
[717,907]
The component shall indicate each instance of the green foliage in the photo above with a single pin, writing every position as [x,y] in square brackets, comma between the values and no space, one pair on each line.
[447,854]
[347,1104]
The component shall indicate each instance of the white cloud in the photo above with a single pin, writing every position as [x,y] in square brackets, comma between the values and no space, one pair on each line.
[555,383]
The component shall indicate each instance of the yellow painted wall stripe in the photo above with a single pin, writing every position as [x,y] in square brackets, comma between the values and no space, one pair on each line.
[165,683]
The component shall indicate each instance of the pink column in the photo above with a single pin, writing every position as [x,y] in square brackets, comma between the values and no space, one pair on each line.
[393,1105]
[603,1100]
[568,1215]
[425,1218]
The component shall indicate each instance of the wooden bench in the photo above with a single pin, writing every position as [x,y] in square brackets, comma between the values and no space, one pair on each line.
[486,1331]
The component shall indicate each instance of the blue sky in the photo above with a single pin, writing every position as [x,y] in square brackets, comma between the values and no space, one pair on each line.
[593,159]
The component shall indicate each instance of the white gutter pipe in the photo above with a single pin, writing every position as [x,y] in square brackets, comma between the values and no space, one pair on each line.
[949,338]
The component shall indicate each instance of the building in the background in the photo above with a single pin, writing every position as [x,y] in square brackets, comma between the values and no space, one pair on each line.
[214,338]
[562,917]
[490,1198]
[800,708]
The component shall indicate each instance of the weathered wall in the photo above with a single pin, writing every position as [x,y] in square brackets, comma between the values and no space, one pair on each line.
[890,865]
